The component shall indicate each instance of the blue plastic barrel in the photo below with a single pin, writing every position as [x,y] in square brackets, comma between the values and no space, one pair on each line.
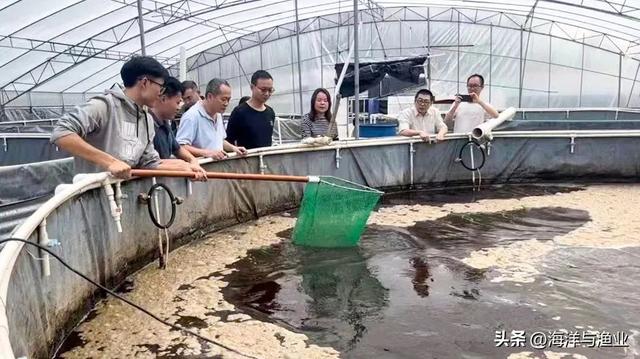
[378,130]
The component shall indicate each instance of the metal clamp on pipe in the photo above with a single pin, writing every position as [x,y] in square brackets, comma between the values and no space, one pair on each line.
[482,133]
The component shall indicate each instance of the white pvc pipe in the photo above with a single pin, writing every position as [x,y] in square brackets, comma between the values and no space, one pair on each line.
[25,135]
[11,250]
[473,165]
[350,143]
[411,152]
[343,71]
[119,196]
[43,240]
[482,132]
[115,213]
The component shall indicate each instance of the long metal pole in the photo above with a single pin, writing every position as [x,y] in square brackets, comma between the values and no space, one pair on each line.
[619,79]
[293,75]
[183,63]
[549,74]
[428,48]
[356,69]
[143,48]
[458,56]
[222,175]
[490,59]
[581,73]
[520,68]
[298,52]
[633,84]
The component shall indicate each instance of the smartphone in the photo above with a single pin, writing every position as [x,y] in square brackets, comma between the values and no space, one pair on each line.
[465,98]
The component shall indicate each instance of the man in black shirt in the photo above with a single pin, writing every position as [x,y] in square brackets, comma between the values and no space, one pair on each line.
[164,140]
[251,123]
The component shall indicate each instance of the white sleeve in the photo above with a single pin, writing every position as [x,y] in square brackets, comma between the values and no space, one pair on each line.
[404,122]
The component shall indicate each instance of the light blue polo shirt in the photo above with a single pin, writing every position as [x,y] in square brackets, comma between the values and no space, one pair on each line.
[200,130]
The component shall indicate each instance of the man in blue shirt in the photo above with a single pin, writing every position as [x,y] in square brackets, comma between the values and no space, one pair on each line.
[201,130]
[163,111]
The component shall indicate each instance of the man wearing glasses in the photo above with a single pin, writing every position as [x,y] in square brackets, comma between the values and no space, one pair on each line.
[422,119]
[468,115]
[114,131]
[251,123]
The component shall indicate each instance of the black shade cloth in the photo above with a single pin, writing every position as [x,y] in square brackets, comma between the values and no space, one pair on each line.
[371,73]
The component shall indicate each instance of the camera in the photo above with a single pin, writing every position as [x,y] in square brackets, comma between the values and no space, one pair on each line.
[465,98]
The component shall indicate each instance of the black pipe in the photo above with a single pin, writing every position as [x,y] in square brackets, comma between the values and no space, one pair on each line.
[472,142]
[173,200]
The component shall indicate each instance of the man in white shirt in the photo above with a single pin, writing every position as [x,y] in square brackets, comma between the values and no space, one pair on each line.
[201,130]
[422,119]
[467,115]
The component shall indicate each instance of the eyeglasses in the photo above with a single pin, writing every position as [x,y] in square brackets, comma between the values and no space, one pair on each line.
[266,90]
[421,101]
[162,88]
[474,85]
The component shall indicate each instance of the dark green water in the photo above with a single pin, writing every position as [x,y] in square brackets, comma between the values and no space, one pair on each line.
[404,293]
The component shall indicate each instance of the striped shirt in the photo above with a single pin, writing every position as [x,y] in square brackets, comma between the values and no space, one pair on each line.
[319,127]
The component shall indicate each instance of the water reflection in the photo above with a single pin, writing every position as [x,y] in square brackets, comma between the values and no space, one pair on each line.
[340,292]
[420,276]
[467,231]
[404,293]
[442,196]
[402,290]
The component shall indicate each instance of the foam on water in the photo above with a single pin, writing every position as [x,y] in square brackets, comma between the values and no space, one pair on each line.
[435,277]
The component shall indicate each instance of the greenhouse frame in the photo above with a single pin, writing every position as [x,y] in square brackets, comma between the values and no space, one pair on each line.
[532,53]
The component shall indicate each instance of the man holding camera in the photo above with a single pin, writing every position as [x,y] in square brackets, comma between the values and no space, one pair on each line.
[469,112]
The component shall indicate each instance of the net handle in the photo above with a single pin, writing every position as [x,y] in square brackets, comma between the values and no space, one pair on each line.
[224,175]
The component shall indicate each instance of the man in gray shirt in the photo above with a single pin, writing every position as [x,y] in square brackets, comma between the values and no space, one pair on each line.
[114,131]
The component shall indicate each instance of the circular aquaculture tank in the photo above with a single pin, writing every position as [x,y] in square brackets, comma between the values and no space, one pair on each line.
[439,273]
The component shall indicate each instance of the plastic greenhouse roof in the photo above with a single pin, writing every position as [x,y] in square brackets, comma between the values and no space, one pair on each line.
[79,45]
